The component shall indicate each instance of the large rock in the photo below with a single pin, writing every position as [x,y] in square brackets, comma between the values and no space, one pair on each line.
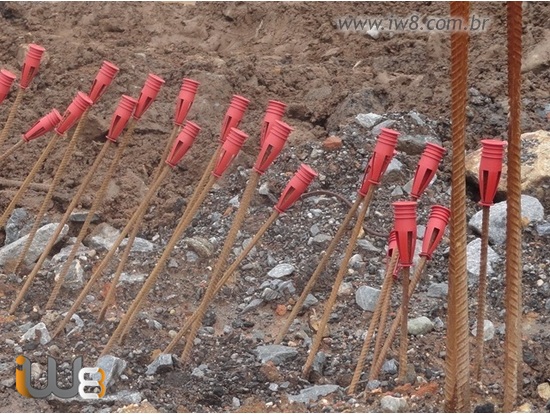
[12,251]
[391,404]
[112,366]
[531,211]
[102,237]
[313,393]
[420,326]
[473,255]
[275,353]
[366,297]
[535,166]
[18,225]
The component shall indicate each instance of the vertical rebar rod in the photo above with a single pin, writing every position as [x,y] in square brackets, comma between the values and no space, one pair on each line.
[338,281]
[319,269]
[404,339]
[513,295]
[59,229]
[11,116]
[55,182]
[11,150]
[457,361]
[482,292]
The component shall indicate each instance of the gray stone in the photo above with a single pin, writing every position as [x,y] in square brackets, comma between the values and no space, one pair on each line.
[543,229]
[235,402]
[368,120]
[191,257]
[281,270]
[319,362]
[253,305]
[374,33]
[397,191]
[415,144]
[38,331]
[123,397]
[488,330]
[131,278]
[345,289]
[161,364]
[64,253]
[79,216]
[420,231]
[314,230]
[366,297]
[275,353]
[355,261]
[378,128]
[321,238]
[391,404]
[200,246]
[235,202]
[273,387]
[197,372]
[389,366]
[173,264]
[531,209]
[112,366]
[367,245]
[310,301]
[547,305]
[18,225]
[74,279]
[420,326]
[473,252]
[139,245]
[438,290]
[11,251]
[102,237]
[416,118]
[373,384]
[269,294]
[394,172]
[286,287]
[313,393]
[264,189]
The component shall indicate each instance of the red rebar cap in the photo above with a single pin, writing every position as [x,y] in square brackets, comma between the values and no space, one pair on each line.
[184,141]
[73,113]
[230,149]
[435,229]
[272,146]
[381,158]
[392,243]
[185,100]
[6,80]
[427,167]
[405,227]
[44,125]
[31,65]
[148,94]
[274,112]
[295,187]
[120,118]
[490,169]
[234,115]
[103,79]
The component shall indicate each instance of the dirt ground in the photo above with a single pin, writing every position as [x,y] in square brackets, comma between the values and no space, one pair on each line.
[293,53]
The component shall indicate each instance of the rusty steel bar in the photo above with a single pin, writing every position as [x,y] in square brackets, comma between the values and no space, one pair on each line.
[11,116]
[404,339]
[11,150]
[482,293]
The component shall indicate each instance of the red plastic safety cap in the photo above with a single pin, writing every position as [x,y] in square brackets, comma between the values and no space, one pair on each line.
[490,169]
[44,125]
[148,94]
[405,227]
[435,229]
[73,113]
[183,143]
[230,149]
[274,112]
[103,79]
[272,146]
[120,118]
[296,187]
[31,65]
[234,115]
[6,80]
[185,100]
[427,167]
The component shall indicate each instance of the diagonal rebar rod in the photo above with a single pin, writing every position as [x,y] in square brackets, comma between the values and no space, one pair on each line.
[56,179]
[98,199]
[457,362]
[11,116]
[223,280]
[59,229]
[11,150]
[5,182]
[513,295]
[376,318]
[126,323]
[482,292]
[319,269]
[221,262]
[37,165]
[338,281]
[404,339]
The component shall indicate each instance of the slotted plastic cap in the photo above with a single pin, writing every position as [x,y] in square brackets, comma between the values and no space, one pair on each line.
[74,112]
[296,187]
[234,115]
[405,228]
[274,112]
[435,229]
[183,143]
[230,149]
[490,169]
[272,146]
[120,118]
[103,79]
[427,167]
[44,125]
[185,100]
[31,65]
[148,94]
[6,80]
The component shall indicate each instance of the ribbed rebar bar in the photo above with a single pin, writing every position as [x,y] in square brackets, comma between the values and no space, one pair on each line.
[457,361]
[221,263]
[376,318]
[513,296]
[319,269]
[11,150]
[55,182]
[338,281]
[482,292]
[11,116]
[404,339]
[59,229]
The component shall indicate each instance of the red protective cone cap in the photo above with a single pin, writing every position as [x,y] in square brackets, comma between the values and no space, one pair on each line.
[272,146]
[148,94]
[274,112]
[103,79]
[230,149]
[185,100]
[435,229]
[120,118]
[6,80]
[405,227]
[295,187]
[31,65]
[234,115]
[44,125]
[427,167]
[73,113]
[381,157]
[392,243]
[490,169]
[184,141]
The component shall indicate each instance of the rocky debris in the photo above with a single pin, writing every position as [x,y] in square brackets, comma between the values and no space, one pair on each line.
[414,144]
[161,364]
[74,279]
[543,229]
[366,297]
[123,397]
[319,363]
[389,366]
[321,238]
[131,278]
[276,353]
[143,407]
[310,301]
[394,172]
[390,404]
[473,252]
[235,402]
[39,333]
[378,128]
[485,408]
[270,295]
[367,245]
[531,211]
[102,237]
[547,305]
[368,120]
[332,143]
[64,253]
[11,251]
[488,330]
[139,245]
[281,270]
[112,366]
[19,224]
[345,289]
[253,305]
[200,246]
[420,326]
[544,391]
[79,216]
[313,393]
[439,290]
[373,384]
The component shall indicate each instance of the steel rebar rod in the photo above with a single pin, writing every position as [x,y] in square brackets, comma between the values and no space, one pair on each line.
[11,116]
[11,150]
[404,339]
[482,293]
[6,182]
